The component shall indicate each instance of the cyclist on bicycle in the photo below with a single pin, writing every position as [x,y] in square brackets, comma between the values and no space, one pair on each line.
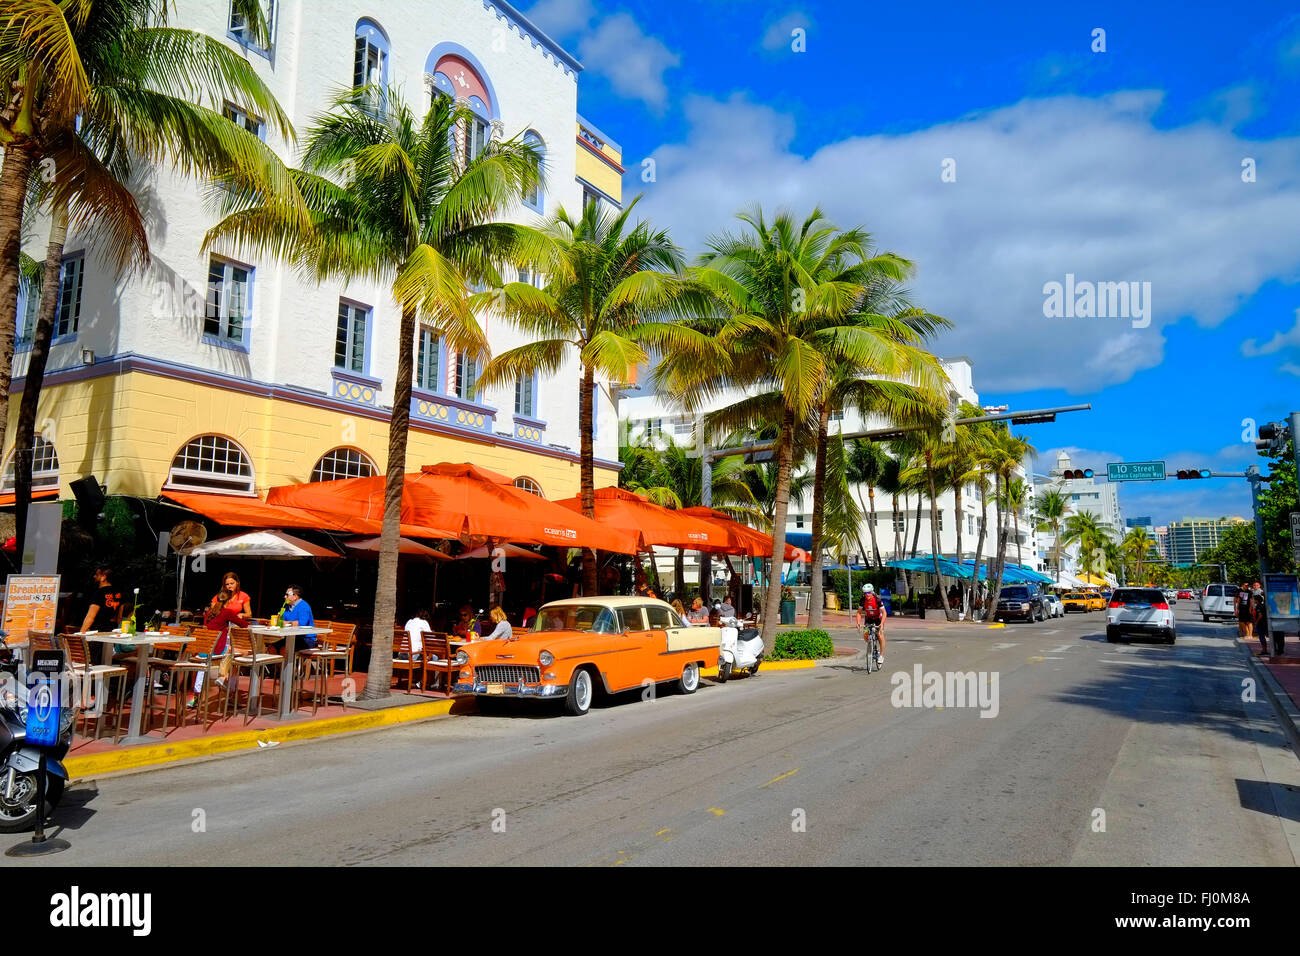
[873,612]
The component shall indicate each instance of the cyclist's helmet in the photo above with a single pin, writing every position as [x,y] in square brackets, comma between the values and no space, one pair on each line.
[868,588]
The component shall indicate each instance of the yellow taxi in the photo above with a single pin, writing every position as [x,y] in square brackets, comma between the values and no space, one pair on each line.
[1095,601]
[1075,601]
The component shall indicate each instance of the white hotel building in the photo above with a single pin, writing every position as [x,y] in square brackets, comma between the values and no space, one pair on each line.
[662,419]
[154,384]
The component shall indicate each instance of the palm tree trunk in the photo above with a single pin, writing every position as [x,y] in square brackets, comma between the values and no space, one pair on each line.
[14,173]
[898,548]
[959,518]
[979,551]
[772,600]
[815,599]
[380,673]
[39,356]
[996,589]
[679,576]
[916,532]
[871,509]
[1016,517]
[948,612]
[1056,542]
[586,421]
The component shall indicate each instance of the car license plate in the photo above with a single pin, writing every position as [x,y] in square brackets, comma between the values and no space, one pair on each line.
[496,688]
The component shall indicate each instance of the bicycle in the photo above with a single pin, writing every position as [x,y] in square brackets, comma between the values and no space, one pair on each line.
[873,647]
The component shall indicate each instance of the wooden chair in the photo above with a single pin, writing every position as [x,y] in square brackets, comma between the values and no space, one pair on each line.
[246,657]
[92,679]
[199,659]
[404,659]
[161,671]
[439,657]
[342,635]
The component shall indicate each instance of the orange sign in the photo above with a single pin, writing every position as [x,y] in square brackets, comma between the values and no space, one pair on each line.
[30,604]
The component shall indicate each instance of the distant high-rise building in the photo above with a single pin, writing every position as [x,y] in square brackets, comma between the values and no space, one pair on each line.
[1190,538]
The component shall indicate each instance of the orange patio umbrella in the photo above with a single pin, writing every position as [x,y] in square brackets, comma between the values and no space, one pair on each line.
[652,524]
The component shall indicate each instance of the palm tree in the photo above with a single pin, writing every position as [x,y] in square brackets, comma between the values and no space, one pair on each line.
[1052,507]
[1003,455]
[864,465]
[603,280]
[959,464]
[1014,496]
[778,321]
[392,197]
[92,88]
[1093,536]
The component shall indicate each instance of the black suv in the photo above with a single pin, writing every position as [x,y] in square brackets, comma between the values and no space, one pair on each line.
[1020,603]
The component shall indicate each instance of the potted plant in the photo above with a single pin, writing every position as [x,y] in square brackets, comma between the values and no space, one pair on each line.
[787,605]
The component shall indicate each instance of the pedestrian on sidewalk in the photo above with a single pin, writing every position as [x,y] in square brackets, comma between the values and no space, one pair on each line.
[1245,616]
[1259,620]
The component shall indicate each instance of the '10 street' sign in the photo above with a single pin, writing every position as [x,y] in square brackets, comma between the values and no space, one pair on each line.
[1135,471]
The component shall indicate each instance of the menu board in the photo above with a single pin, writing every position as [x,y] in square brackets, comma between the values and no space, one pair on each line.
[31,601]
[1282,592]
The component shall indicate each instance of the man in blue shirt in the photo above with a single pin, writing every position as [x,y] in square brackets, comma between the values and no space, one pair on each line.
[299,615]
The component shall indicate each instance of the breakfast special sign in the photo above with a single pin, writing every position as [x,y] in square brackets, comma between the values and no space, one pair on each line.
[30,603]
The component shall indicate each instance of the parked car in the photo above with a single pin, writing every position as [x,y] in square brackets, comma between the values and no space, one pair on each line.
[1217,601]
[1053,604]
[1075,601]
[1019,603]
[1139,611]
[577,645]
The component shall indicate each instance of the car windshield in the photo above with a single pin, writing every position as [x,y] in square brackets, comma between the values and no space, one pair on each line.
[1015,593]
[576,617]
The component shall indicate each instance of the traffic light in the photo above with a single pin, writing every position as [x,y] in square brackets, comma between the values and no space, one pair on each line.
[1193,473]
[1272,439]
[1076,473]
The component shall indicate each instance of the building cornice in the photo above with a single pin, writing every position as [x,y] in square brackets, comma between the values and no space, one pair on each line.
[531,32]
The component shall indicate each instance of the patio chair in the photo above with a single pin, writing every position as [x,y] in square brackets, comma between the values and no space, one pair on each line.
[404,659]
[439,657]
[342,635]
[319,662]
[198,660]
[93,679]
[245,657]
[160,671]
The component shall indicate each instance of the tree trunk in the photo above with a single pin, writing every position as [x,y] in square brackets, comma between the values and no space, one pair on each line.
[14,173]
[959,518]
[948,611]
[871,509]
[996,589]
[25,438]
[815,599]
[380,673]
[586,421]
[1056,546]
[898,548]
[979,552]
[679,577]
[916,532]
[1015,515]
[772,600]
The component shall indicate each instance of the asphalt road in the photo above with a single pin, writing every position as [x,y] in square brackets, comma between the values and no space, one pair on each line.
[1131,755]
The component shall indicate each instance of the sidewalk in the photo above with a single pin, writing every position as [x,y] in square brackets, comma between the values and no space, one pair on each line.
[1280,677]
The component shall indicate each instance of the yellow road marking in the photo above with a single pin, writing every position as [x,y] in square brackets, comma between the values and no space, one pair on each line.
[716,812]
[788,773]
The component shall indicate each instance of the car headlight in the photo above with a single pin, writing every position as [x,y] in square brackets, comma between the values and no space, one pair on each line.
[462,658]
[546,658]
[1024,607]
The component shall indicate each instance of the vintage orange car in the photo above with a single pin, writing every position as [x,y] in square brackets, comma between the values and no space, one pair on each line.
[622,642]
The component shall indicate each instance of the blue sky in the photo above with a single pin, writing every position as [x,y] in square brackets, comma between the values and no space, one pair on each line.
[1122,165]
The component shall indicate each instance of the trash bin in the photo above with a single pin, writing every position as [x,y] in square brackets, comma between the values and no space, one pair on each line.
[787,612]
[832,602]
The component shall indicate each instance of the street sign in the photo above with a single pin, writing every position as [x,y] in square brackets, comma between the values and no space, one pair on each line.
[1295,536]
[1135,471]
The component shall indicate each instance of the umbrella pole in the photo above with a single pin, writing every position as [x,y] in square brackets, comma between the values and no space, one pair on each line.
[261,581]
[180,588]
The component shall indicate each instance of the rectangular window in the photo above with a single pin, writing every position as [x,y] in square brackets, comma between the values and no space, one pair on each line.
[798,521]
[939,513]
[426,365]
[239,27]
[67,311]
[970,525]
[227,307]
[478,134]
[29,301]
[350,343]
[466,376]
[524,387]
[368,65]
[242,118]
[900,522]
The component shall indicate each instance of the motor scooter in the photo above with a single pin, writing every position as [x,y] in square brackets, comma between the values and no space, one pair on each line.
[741,649]
[19,760]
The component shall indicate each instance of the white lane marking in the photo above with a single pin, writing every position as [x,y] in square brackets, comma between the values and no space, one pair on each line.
[927,647]
[1055,631]
[1003,647]
[1061,649]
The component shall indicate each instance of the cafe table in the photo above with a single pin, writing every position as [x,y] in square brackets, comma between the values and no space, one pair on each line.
[287,669]
[143,642]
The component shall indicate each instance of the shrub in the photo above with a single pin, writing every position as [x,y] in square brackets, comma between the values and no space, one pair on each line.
[802,646]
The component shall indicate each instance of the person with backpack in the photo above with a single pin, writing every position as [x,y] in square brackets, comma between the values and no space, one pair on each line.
[873,612]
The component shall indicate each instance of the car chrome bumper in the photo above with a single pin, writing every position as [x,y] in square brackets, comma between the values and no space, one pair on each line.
[541,691]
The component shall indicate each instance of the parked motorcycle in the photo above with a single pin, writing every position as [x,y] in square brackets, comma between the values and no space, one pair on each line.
[741,649]
[19,760]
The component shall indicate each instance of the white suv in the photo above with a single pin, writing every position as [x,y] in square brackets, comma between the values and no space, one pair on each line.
[1139,611]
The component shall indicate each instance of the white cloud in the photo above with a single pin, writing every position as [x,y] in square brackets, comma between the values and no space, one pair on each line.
[779,35]
[1044,188]
[1291,368]
[1280,340]
[633,62]
[561,17]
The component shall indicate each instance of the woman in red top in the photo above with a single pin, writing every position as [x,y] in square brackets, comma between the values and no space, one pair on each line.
[236,600]
[224,611]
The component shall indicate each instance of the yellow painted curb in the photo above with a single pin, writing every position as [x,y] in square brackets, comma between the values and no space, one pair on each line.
[150,755]
[767,666]
[995,625]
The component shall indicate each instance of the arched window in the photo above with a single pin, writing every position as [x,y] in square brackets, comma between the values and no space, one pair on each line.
[454,76]
[343,463]
[530,486]
[212,463]
[533,199]
[370,62]
[45,467]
